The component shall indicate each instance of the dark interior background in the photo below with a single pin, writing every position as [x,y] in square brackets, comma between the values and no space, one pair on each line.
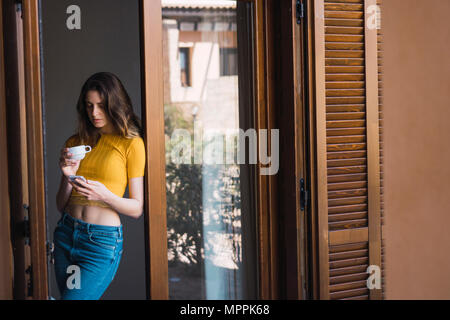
[107,41]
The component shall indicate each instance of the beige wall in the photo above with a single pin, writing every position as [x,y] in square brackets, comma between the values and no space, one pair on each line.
[417,148]
[215,96]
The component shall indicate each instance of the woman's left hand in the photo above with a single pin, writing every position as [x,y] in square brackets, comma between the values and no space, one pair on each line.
[92,190]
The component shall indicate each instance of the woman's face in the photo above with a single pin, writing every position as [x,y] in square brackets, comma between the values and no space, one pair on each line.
[96,111]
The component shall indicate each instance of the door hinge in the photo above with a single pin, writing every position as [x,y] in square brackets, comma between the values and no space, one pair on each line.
[24,226]
[19,5]
[303,195]
[50,246]
[29,271]
[300,11]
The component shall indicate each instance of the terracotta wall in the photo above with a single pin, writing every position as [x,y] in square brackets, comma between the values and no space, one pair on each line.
[417,148]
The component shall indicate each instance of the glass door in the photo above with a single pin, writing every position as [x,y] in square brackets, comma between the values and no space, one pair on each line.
[210,149]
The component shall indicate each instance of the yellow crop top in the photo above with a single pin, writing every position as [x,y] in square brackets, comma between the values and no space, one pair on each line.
[112,161]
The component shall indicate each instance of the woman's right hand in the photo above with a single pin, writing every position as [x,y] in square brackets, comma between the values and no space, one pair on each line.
[68,166]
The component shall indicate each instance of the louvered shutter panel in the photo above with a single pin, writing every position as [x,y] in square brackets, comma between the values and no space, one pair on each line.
[348,150]
[380,114]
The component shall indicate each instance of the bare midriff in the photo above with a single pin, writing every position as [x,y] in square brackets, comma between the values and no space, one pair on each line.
[94,214]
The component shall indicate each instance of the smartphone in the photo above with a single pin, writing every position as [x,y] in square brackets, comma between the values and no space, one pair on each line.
[72,178]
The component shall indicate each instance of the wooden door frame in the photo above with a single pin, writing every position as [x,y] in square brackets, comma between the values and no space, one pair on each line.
[155,179]
[293,120]
[153,120]
[318,183]
[35,155]
[266,186]
[17,150]
[6,268]
[153,117]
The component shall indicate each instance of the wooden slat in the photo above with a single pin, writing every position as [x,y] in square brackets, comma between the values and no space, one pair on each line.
[345,92]
[348,270]
[343,7]
[348,224]
[346,147]
[344,22]
[344,69]
[363,297]
[346,100]
[346,155]
[346,165]
[346,139]
[347,169]
[349,293]
[347,201]
[346,193]
[344,46]
[348,285]
[348,236]
[348,247]
[347,177]
[348,262]
[344,77]
[346,108]
[348,253]
[347,208]
[344,1]
[345,85]
[347,185]
[346,124]
[347,216]
[344,38]
[348,278]
[343,30]
[344,15]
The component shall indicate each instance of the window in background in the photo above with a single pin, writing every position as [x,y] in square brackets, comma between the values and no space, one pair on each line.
[185,72]
[228,62]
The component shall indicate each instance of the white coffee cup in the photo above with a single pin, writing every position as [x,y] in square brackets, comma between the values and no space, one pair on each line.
[79,152]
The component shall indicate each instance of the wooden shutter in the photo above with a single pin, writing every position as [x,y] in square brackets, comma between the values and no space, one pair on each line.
[380,114]
[347,147]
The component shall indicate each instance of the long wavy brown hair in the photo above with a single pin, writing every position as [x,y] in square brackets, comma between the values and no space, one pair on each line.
[117,105]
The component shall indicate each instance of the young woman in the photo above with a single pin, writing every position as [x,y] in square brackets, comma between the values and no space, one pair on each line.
[88,238]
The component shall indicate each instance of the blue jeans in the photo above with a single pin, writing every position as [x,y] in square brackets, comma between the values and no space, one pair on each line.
[86,257]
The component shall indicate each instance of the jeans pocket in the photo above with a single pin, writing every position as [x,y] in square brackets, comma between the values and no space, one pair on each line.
[101,240]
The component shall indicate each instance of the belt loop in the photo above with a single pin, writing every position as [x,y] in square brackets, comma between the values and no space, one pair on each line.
[88,228]
[120,232]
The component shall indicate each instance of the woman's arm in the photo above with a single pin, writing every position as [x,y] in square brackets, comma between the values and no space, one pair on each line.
[133,207]
[68,167]
[63,195]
